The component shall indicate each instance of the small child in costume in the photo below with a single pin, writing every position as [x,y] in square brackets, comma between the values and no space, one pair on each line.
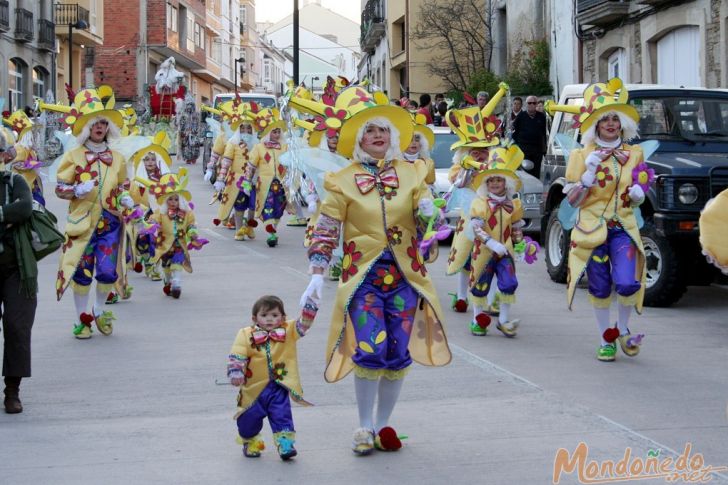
[176,232]
[24,158]
[496,219]
[263,362]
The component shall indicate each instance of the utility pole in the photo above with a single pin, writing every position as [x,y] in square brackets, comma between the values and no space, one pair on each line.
[295,42]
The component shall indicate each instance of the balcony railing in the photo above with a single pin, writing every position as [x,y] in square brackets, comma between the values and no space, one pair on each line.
[4,15]
[601,12]
[23,25]
[46,35]
[373,25]
[70,14]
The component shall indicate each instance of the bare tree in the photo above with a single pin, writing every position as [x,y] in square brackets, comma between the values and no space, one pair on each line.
[459,32]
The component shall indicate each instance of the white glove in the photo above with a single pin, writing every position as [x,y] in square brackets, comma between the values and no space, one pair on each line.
[127,202]
[80,190]
[208,175]
[496,247]
[311,203]
[588,178]
[314,290]
[219,185]
[636,194]
[427,208]
[592,161]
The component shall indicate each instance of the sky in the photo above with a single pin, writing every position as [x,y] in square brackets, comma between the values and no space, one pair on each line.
[274,10]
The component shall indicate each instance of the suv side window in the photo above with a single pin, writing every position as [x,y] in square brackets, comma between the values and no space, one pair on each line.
[653,119]
[567,119]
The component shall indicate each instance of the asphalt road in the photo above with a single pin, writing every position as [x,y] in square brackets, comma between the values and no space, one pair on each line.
[149,404]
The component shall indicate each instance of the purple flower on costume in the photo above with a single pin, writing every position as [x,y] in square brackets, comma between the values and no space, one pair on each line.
[643,176]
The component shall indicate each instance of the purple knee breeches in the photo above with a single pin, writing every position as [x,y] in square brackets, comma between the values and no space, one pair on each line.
[102,251]
[274,403]
[382,313]
[613,262]
[504,269]
[275,201]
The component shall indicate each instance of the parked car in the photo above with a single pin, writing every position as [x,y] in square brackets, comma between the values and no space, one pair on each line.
[261,99]
[691,164]
[530,193]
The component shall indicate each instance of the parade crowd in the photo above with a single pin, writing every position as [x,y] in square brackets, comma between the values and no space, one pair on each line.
[374,224]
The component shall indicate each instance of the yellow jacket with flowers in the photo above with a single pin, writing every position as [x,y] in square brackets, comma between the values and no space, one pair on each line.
[268,166]
[84,214]
[371,224]
[607,202]
[498,225]
[180,228]
[32,178]
[270,359]
[461,245]
[237,152]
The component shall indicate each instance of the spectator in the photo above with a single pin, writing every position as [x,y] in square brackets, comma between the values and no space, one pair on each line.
[439,119]
[516,109]
[18,284]
[426,108]
[439,98]
[529,133]
[482,99]
[412,105]
[540,109]
[539,106]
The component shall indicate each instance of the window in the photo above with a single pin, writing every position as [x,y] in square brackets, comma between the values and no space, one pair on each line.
[197,35]
[617,65]
[678,57]
[16,70]
[172,18]
[216,50]
[243,19]
[567,121]
[266,70]
[40,80]
[190,32]
[202,43]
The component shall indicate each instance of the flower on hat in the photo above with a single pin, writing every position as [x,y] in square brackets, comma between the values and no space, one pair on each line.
[331,121]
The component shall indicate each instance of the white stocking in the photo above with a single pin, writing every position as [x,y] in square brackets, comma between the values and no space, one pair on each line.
[492,292]
[504,310]
[463,280]
[366,393]
[238,217]
[623,318]
[81,302]
[602,315]
[477,310]
[101,295]
[176,279]
[388,395]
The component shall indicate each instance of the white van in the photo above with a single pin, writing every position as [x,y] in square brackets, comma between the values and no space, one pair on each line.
[261,99]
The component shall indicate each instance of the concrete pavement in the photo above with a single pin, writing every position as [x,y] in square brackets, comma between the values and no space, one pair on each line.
[143,406]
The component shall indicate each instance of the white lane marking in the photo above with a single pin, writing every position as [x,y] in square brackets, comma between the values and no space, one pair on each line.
[494,368]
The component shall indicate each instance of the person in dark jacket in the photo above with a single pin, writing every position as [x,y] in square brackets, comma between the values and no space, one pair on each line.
[529,133]
[18,286]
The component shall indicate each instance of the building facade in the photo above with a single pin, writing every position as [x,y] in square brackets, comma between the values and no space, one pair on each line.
[682,43]
[27,45]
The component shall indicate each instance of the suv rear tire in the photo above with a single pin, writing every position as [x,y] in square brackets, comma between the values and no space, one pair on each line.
[665,282]
[556,242]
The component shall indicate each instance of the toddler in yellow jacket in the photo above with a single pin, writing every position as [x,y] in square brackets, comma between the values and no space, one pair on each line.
[263,362]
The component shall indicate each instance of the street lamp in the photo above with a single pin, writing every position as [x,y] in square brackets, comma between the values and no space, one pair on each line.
[240,60]
[81,25]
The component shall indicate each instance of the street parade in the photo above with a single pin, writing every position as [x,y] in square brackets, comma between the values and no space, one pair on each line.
[196,241]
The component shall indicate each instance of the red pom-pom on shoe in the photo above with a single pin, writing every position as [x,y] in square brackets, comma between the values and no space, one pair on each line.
[167,289]
[388,439]
[270,228]
[86,319]
[216,221]
[461,306]
[483,320]
[611,334]
[138,267]
[252,223]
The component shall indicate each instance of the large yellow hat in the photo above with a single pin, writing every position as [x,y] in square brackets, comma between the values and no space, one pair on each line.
[599,99]
[87,105]
[474,127]
[19,122]
[236,112]
[714,231]
[169,184]
[267,120]
[160,146]
[502,162]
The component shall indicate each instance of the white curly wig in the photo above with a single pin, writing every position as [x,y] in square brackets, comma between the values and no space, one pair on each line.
[392,152]
[113,133]
[629,128]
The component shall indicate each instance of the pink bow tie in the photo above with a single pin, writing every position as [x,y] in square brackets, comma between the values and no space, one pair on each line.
[506,204]
[271,144]
[366,181]
[276,335]
[172,213]
[621,155]
[105,157]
